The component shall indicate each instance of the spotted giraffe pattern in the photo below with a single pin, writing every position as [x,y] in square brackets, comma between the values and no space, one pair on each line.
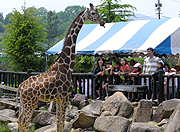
[55,84]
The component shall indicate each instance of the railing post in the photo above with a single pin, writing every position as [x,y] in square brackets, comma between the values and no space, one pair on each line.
[29,73]
[161,86]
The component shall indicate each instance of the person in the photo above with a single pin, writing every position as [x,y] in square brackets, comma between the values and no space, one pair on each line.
[124,69]
[107,73]
[150,63]
[149,66]
[171,72]
[166,70]
[132,63]
[160,65]
[135,73]
[115,72]
[98,71]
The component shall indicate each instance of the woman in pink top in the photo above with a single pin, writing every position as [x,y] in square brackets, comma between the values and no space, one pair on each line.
[125,70]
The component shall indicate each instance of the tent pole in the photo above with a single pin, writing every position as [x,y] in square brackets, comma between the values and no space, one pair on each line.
[46,63]
[94,62]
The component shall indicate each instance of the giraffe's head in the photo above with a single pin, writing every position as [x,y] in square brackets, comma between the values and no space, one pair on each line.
[93,15]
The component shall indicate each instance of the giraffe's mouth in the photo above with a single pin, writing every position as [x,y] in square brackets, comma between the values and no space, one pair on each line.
[102,23]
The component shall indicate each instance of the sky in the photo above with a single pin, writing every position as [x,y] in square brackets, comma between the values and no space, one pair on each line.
[170,8]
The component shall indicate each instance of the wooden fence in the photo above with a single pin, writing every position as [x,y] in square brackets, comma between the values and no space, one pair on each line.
[84,83]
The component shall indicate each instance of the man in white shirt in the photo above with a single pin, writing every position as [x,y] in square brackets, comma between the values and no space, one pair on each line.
[150,63]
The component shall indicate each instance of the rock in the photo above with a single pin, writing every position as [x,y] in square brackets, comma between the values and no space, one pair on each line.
[2,107]
[71,111]
[7,112]
[143,112]
[106,113]
[118,105]
[43,119]
[77,130]
[80,101]
[83,121]
[93,109]
[164,121]
[40,104]
[35,113]
[53,128]
[14,126]
[174,121]
[142,127]
[165,109]
[52,106]
[111,124]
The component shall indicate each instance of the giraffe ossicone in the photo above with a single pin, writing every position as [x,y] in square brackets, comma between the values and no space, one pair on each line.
[55,84]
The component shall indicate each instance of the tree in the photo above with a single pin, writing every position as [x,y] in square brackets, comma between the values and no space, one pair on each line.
[51,20]
[111,12]
[23,42]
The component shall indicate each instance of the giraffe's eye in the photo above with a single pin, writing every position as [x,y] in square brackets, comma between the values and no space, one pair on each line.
[92,13]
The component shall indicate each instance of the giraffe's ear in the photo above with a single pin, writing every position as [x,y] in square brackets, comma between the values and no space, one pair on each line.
[91,5]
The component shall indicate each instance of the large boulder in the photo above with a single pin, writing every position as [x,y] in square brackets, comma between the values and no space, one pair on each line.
[80,101]
[143,112]
[174,121]
[165,109]
[53,128]
[118,105]
[44,118]
[71,112]
[111,124]
[7,112]
[83,121]
[142,127]
[93,109]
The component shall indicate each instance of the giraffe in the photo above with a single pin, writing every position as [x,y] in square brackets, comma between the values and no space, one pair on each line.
[55,84]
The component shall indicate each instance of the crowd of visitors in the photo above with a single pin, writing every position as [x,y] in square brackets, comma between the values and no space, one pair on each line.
[117,75]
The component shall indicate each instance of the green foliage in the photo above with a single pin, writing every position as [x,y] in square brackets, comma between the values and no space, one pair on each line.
[23,42]
[115,12]
[51,20]
[83,64]
[4,128]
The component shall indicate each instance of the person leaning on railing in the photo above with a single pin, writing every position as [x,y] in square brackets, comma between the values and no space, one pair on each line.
[99,71]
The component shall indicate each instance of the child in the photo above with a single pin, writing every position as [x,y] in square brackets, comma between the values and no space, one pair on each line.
[136,72]
[171,72]
[160,65]
[124,68]
[107,73]
[124,71]
[115,71]
[167,70]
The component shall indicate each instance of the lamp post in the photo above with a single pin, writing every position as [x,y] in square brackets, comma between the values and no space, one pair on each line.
[158,5]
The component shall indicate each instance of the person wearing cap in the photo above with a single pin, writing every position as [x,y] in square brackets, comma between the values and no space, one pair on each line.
[160,65]
[171,72]
[136,72]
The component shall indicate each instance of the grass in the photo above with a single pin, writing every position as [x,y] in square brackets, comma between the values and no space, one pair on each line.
[4,128]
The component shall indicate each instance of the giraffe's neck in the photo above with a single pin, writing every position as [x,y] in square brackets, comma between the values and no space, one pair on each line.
[67,55]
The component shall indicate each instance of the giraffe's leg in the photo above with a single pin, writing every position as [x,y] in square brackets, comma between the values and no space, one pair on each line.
[20,128]
[27,113]
[61,105]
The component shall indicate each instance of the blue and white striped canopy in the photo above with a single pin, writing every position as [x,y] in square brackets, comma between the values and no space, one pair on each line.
[122,37]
